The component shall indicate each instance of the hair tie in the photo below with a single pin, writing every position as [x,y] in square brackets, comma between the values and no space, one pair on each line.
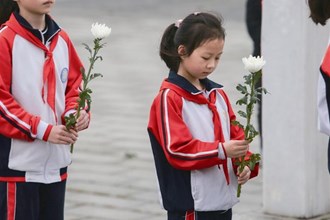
[196,13]
[178,23]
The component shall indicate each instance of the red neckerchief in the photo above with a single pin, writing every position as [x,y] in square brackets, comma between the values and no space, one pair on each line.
[200,99]
[49,65]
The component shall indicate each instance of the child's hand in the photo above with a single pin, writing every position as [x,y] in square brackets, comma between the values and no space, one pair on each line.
[236,148]
[244,176]
[60,135]
[82,121]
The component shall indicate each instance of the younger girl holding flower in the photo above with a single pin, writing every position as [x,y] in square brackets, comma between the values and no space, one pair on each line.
[39,84]
[192,136]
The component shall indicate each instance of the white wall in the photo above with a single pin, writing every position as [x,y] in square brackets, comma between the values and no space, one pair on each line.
[295,176]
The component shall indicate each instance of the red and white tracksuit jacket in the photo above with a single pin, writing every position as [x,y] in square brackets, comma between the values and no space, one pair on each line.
[187,128]
[324,94]
[39,84]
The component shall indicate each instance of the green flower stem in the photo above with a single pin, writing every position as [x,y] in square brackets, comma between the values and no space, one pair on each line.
[93,59]
[249,111]
[91,66]
[85,93]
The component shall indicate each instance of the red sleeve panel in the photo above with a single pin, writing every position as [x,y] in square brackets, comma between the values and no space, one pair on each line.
[325,66]
[14,120]
[181,149]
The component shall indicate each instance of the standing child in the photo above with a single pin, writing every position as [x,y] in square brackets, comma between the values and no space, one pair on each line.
[39,84]
[193,140]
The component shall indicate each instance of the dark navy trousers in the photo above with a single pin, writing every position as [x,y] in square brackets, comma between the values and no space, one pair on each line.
[32,201]
[194,215]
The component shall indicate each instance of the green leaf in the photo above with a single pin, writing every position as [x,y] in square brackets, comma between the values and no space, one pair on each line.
[99,58]
[89,102]
[88,48]
[254,99]
[237,123]
[252,135]
[254,159]
[250,127]
[95,75]
[84,97]
[242,101]
[102,45]
[265,90]
[258,93]
[242,114]
[241,162]
[251,132]
[261,89]
[241,88]
[70,121]
[248,79]
[88,91]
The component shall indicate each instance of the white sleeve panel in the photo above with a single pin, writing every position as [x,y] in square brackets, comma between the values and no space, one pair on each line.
[322,107]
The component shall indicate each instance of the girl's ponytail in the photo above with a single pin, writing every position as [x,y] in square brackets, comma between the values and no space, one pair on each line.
[168,51]
[6,8]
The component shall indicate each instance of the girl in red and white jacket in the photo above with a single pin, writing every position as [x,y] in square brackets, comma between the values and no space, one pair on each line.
[193,140]
[39,84]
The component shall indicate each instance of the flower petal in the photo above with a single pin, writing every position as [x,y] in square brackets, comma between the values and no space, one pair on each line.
[253,64]
[100,31]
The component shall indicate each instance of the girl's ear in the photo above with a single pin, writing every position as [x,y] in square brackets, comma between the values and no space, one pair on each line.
[182,51]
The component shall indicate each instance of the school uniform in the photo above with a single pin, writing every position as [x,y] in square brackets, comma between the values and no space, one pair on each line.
[324,98]
[187,128]
[39,84]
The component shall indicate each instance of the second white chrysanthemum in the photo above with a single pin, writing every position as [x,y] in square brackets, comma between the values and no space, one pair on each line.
[253,64]
[100,31]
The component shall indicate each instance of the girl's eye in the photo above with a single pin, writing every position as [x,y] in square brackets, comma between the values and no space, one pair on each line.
[205,58]
[217,58]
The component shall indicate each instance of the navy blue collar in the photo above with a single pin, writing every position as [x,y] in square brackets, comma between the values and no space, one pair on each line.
[182,82]
[43,36]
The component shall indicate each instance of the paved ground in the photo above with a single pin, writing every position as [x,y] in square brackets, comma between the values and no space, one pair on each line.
[112,176]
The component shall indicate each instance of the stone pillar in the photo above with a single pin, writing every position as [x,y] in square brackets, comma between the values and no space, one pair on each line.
[296,182]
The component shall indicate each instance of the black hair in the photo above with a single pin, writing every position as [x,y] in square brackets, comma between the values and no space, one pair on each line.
[193,31]
[6,8]
[319,11]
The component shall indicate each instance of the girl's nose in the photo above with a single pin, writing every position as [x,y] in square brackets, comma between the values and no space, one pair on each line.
[211,64]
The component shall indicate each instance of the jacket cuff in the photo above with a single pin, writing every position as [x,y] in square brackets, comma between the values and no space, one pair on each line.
[222,152]
[47,132]
[41,129]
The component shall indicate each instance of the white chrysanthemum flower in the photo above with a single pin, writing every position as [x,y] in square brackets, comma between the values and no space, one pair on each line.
[253,64]
[100,31]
